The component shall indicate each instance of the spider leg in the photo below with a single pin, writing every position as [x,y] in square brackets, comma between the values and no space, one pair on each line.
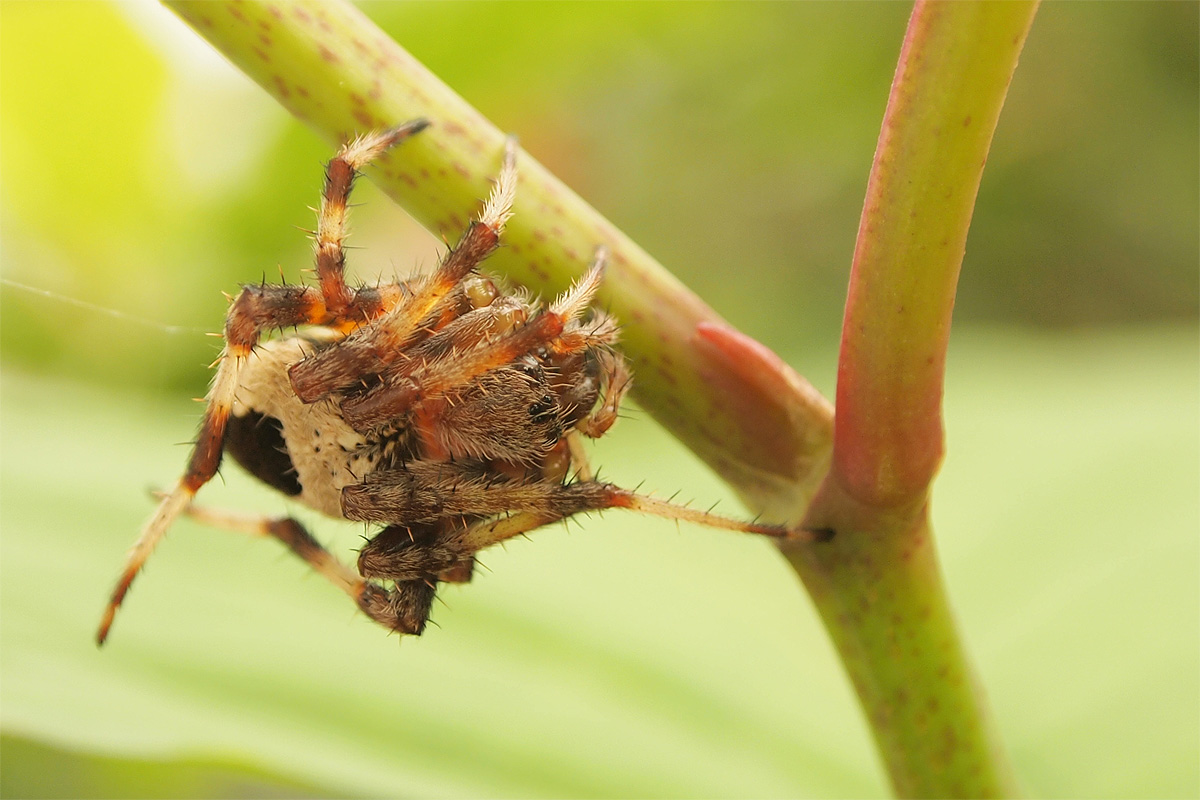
[616,379]
[256,309]
[331,217]
[584,357]
[419,561]
[430,386]
[579,457]
[397,554]
[403,608]
[560,501]
[428,551]
[369,350]
[292,534]
[426,492]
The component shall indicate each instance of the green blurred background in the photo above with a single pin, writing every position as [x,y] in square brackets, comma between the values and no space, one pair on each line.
[140,176]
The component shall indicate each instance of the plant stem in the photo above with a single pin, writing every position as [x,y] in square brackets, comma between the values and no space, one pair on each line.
[954,71]
[877,585]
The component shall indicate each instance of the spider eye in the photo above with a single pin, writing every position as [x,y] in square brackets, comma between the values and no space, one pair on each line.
[256,442]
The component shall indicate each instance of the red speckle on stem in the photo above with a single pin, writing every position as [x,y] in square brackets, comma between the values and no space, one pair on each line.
[284,92]
[328,55]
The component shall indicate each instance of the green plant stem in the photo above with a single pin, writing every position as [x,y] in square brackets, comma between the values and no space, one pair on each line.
[334,69]
[954,71]
[877,585]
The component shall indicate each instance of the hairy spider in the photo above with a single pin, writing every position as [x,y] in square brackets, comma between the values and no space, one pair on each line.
[442,408]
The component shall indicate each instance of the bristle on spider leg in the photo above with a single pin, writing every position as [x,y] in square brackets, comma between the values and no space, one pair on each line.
[621,498]
[202,466]
[370,146]
[498,208]
[572,303]
[152,533]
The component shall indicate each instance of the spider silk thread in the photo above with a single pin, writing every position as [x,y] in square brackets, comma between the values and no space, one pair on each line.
[94,307]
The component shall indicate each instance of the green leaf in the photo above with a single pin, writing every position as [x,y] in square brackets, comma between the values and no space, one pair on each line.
[599,661]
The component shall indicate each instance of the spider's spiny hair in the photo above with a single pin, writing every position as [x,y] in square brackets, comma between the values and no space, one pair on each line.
[498,208]
[368,147]
[573,302]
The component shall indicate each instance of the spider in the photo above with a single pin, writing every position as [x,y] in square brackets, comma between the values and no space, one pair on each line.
[443,408]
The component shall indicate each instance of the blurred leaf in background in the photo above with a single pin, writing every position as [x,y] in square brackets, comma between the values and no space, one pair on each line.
[143,175]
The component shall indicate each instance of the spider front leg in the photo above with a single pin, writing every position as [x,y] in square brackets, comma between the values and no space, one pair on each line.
[433,389]
[372,348]
[432,492]
[609,370]
[402,555]
[329,240]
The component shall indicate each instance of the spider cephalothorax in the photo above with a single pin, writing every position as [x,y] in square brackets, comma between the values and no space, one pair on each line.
[442,408]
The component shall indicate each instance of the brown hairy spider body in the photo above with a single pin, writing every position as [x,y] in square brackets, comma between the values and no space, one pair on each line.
[442,408]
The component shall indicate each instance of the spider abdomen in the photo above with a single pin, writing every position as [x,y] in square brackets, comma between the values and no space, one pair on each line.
[256,442]
[323,452]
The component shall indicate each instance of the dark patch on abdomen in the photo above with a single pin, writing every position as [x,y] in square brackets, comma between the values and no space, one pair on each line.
[256,442]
